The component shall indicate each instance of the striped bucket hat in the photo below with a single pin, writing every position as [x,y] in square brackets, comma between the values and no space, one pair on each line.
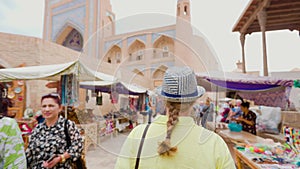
[180,85]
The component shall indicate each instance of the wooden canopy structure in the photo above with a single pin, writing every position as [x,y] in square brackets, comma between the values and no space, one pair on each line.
[267,15]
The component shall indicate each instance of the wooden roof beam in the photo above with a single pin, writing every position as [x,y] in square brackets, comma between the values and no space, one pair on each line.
[283,20]
[285,15]
[257,26]
[287,10]
[262,5]
[284,4]
[291,27]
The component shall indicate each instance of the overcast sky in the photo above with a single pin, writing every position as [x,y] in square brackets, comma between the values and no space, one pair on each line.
[213,18]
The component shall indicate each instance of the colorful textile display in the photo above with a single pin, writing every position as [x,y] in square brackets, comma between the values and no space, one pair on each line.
[267,98]
[114,96]
[292,137]
[271,155]
[69,90]
[133,103]
[109,126]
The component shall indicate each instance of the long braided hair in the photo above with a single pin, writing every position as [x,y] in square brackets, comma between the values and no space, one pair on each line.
[165,148]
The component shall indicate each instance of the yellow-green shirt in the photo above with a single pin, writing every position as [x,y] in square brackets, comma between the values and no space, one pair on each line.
[197,148]
[12,154]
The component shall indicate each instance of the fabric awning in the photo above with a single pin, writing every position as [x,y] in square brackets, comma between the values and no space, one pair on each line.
[108,87]
[54,72]
[244,82]
[267,91]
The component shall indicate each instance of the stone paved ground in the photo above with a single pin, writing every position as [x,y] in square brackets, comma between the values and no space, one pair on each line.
[104,154]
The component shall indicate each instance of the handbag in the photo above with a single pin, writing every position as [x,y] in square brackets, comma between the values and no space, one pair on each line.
[80,162]
[137,162]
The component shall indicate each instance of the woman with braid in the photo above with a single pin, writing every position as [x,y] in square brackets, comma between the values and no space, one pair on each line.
[175,141]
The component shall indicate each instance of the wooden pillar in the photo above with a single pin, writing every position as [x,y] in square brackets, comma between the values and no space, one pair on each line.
[262,19]
[242,39]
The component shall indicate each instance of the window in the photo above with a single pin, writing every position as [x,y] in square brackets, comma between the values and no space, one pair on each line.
[165,51]
[108,60]
[185,10]
[140,54]
[154,53]
[118,57]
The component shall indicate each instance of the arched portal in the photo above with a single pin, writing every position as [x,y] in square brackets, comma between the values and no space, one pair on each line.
[163,47]
[74,40]
[136,50]
[158,75]
[113,55]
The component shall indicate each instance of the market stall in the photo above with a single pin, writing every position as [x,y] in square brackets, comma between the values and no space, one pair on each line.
[267,92]
[257,152]
[124,117]
[109,86]
[70,74]
[262,90]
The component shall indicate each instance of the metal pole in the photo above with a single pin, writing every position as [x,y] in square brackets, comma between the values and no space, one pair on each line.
[216,110]
[1,106]
[66,112]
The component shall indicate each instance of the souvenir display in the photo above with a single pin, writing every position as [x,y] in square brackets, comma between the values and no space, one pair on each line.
[20,98]
[18,90]
[11,95]
[20,82]
[69,90]
[17,94]
[8,84]
[272,155]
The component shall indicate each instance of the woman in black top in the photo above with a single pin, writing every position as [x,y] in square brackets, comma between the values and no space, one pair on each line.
[248,119]
[49,138]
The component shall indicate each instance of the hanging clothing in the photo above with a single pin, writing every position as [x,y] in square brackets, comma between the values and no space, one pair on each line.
[99,98]
[114,97]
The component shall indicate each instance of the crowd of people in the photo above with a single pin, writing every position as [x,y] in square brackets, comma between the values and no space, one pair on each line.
[178,132]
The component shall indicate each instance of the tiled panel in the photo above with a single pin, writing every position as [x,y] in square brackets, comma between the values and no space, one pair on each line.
[75,16]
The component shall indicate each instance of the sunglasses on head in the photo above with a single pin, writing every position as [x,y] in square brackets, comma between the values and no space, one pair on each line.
[56,95]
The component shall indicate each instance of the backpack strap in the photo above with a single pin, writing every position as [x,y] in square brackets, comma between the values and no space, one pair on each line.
[68,139]
[137,162]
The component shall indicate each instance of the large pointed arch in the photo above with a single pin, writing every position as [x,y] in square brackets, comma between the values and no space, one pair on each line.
[159,72]
[136,50]
[163,46]
[138,72]
[113,55]
[70,36]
